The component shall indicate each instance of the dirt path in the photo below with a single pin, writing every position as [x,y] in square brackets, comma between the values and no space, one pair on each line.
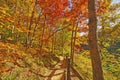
[59,72]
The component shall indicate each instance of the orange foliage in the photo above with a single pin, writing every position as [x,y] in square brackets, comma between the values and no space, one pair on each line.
[53,9]
[5,70]
[70,29]
[82,29]
[78,47]
[44,39]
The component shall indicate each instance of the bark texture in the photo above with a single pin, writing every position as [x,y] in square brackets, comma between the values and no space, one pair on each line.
[94,53]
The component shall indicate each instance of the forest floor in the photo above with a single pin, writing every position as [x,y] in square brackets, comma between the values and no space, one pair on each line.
[19,65]
[59,72]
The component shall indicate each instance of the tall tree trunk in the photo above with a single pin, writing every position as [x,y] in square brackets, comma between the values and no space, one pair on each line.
[72,47]
[43,33]
[74,42]
[62,45]
[30,26]
[94,53]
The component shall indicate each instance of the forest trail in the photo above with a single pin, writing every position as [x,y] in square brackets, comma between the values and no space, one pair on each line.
[59,72]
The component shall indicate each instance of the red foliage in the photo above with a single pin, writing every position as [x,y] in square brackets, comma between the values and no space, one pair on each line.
[70,29]
[44,39]
[82,29]
[53,9]
[78,47]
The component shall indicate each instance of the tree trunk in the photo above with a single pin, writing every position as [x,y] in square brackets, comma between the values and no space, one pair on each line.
[72,47]
[42,36]
[30,26]
[94,53]
[74,42]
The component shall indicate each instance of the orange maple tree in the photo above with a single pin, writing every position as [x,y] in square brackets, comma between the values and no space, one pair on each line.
[53,9]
